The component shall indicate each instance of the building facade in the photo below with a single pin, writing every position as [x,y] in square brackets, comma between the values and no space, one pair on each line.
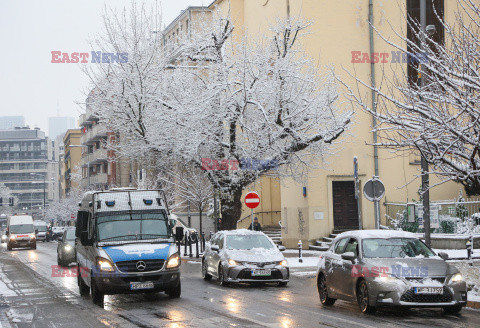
[28,168]
[326,201]
[71,159]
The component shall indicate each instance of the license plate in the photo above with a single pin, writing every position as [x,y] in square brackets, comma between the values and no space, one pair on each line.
[261,273]
[141,285]
[429,290]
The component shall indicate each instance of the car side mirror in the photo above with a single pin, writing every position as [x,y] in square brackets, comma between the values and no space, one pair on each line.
[281,248]
[349,256]
[215,248]
[443,255]
[179,234]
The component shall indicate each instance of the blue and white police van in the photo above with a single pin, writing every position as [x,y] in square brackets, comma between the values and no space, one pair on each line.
[125,243]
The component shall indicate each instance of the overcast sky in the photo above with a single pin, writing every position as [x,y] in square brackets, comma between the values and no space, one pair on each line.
[30,85]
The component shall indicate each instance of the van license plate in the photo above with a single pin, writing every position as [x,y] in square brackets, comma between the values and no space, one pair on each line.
[429,290]
[261,273]
[141,285]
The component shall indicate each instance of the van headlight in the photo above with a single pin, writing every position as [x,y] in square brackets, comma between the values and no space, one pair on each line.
[13,237]
[32,236]
[105,265]
[173,261]
[457,277]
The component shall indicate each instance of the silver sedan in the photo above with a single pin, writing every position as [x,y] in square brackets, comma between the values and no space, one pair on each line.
[244,256]
[388,268]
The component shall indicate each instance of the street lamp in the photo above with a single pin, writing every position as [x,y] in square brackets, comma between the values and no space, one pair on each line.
[88,162]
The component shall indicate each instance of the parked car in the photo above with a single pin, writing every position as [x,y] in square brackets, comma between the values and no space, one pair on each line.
[66,248]
[57,232]
[388,268]
[20,232]
[244,256]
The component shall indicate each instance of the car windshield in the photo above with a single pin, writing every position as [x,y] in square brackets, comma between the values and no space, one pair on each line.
[248,242]
[125,227]
[70,234]
[395,248]
[21,228]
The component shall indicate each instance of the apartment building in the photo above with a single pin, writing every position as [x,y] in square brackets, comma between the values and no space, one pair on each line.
[28,168]
[71,159]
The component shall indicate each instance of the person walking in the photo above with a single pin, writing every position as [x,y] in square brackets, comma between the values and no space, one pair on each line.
[256,225]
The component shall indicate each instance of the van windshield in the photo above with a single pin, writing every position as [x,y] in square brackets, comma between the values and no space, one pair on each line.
[41,228]
[21,228]
[138,226]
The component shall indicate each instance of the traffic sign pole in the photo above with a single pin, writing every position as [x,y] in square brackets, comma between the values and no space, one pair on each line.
[252,200]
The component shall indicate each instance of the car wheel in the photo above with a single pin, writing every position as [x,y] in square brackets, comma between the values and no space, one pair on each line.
[282,284]
[452,309]
[59,262]
[97,296]
[221,276]
[82,286]
[175,292]
[363,298]
[323,292]
[205,274]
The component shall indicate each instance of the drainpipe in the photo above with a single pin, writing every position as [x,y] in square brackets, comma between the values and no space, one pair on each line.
[374,106]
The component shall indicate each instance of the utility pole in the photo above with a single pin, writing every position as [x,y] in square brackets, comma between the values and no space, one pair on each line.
[425,178]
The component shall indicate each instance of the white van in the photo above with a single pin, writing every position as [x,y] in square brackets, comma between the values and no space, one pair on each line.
[20,232]
[40,230]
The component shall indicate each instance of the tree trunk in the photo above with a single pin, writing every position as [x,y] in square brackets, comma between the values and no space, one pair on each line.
[200,219]
[231,210]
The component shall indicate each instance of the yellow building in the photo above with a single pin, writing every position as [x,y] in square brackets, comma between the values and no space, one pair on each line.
[340,31]
[71,159]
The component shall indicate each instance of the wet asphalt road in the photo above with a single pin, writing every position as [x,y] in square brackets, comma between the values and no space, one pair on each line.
[31,297]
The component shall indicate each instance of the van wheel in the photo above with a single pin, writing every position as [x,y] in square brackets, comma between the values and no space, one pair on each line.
[97,296]
[9,247]
[205,274]
[175,292]
[34,246]
[82,286]
[363,298]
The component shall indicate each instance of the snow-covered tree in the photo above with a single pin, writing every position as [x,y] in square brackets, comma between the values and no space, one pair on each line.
[220,101]
[190,187]
[62,209]
[440,120]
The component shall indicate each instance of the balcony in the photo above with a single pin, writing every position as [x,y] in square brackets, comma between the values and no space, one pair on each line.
[96,133]
[98,156]
[97,179]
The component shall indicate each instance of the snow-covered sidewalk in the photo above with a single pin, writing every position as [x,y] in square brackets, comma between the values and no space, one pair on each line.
[458,254]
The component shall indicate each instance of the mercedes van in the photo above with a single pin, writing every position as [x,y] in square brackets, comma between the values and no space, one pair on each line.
[125,243]
[20,232]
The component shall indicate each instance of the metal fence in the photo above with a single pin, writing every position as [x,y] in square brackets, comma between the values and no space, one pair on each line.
[449,216]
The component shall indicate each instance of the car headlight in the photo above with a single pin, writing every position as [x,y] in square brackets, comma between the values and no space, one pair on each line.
[105,265]
[283,263]
[173,261]
[386,278]
[68,248]
[233,262]
[457,277]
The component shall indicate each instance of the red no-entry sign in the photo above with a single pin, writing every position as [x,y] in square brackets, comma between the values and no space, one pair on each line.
[252,200]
